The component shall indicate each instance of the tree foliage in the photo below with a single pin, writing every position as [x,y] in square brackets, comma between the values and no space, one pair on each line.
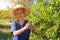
[46,19]
[4,14]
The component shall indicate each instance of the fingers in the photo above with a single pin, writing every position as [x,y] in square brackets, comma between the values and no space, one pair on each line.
[29,26]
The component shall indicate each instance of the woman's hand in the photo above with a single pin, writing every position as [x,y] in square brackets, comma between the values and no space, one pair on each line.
[29,26]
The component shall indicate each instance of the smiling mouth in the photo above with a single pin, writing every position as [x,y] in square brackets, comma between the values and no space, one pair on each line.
[20,18]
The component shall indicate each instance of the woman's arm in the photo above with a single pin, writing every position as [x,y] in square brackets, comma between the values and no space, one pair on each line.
[18,32]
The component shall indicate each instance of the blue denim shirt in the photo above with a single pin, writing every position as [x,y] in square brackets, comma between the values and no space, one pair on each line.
[24,35]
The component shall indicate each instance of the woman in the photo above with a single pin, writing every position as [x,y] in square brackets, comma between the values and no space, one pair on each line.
[20,28]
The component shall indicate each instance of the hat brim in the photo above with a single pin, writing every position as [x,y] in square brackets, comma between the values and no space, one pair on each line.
[25,9]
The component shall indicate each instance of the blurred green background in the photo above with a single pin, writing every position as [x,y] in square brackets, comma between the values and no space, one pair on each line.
[45,16]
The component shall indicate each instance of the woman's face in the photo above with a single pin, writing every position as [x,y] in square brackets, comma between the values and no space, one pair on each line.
[20,14]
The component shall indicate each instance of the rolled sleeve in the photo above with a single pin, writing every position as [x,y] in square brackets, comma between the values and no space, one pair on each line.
[13,27]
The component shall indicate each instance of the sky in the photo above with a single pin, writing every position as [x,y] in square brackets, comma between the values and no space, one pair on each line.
[4,4]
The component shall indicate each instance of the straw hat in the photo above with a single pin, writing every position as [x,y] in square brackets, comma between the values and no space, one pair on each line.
[16,8]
